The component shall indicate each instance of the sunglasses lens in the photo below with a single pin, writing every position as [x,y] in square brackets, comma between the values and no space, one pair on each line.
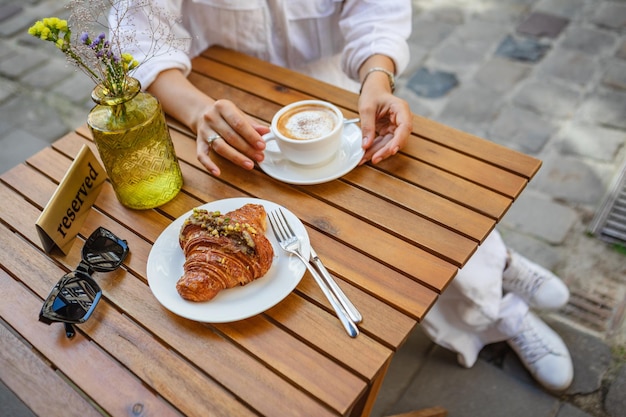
[104,251]
[72,300]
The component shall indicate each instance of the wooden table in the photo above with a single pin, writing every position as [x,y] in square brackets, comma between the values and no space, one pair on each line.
[393,234]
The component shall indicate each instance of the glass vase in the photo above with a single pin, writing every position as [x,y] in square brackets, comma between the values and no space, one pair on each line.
[135,146]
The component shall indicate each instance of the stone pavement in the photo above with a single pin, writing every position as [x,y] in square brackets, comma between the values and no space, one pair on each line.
[546,77]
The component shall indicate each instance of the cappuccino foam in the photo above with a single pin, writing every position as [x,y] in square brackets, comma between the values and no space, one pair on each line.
[307,122]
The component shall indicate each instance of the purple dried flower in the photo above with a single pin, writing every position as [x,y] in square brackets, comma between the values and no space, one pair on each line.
[84,38]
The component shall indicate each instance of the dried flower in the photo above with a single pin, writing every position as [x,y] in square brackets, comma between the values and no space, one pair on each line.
[100,58]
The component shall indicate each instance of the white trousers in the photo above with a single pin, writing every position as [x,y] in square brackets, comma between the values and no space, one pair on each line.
[473,312]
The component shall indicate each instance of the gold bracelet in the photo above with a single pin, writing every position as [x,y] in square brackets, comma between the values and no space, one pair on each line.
[392,78]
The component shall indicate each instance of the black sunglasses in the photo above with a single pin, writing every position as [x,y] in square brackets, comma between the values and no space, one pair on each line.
[75,296]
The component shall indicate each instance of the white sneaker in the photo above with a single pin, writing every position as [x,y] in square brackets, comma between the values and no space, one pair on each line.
[543,353]
[539,287]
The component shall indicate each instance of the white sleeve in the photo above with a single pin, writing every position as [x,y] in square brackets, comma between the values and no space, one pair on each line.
[151,31]
[375,27]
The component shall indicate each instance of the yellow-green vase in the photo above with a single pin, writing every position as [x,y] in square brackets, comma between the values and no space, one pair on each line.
[135,146]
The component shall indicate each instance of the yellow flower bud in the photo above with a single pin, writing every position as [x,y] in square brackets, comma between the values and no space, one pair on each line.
[45,34]
[36,29]
[62,25]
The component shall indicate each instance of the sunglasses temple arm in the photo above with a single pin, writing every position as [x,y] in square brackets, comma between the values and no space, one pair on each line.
[69,330]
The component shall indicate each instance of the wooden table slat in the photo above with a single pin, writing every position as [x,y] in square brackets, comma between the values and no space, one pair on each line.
[493,153]
[435,207]
[471,169]
[457,189]
[283,77]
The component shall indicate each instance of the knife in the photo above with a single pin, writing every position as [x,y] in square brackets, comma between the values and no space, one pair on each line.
[351,310]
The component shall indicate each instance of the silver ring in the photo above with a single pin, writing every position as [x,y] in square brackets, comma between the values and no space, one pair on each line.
[212,139]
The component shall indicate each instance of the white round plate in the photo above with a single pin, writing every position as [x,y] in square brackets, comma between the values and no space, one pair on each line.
[348,157]
[165,267]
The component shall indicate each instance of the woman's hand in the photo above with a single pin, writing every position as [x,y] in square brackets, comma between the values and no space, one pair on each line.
[386,125]
[386,120]
[239,136]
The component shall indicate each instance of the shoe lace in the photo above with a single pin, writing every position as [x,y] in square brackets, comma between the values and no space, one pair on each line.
[530,344]
[522,279]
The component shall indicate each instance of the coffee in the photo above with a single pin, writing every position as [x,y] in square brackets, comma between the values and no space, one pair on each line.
[307,132]
[306,122]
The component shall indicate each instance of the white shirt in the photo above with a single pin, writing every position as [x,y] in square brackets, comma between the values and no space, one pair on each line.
[327,39]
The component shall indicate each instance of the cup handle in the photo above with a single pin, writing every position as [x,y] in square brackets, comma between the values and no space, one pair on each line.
[269,136]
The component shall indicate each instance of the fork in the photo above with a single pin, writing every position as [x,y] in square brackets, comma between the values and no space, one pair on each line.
[289,242]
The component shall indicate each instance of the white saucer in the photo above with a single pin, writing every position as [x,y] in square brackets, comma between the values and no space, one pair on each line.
[348,157]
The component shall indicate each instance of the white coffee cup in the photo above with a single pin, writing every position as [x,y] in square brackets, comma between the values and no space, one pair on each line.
[307,132]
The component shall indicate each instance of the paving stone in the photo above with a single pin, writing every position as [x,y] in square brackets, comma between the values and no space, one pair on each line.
[510,12]
[615,75]
[46,76]
[615,401]
[521,129]
[542,25]
[501,75]
[522,49]
[588,40]
[586,140]
[570,179]
[11,405]
[480,33]
[5,50]
[564,8]
[20,22]
[569,410]
[8,89]
[409,359]
[448,14]
[621,52]
[429,33]
[76,87]
[432,84]
[547,98]
[472,104]
[9,10]
[418,55]
[18,145]
[539,251]
[591,357]
[21,62]
[610,15]
[481,391]
[568,65]
[607,108]
[34,116]
[536,215]
[454,55]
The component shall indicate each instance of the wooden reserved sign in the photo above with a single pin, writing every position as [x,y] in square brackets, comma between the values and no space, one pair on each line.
[65,213]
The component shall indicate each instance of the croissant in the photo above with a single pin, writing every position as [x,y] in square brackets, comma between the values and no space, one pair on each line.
[223,251]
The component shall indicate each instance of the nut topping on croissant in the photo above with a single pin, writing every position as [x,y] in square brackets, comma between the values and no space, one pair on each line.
[223,251]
